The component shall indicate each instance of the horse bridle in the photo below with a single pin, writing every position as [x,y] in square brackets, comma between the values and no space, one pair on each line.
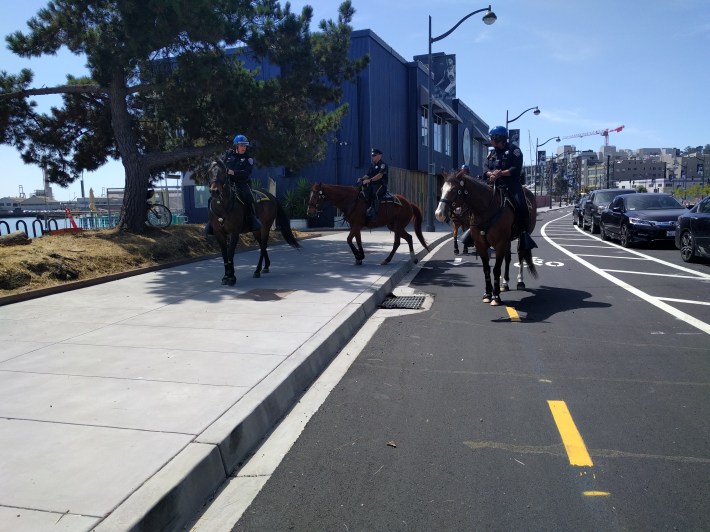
[319,200]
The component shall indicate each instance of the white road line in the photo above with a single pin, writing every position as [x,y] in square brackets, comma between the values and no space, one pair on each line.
[653,274]
[688,301]
[655,301]
[611,257]
[659,261]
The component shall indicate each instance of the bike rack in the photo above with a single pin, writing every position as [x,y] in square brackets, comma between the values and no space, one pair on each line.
[7,226]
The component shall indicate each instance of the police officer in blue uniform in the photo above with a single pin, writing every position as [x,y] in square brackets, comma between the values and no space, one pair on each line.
[239,166]
[504,165]
[374,182]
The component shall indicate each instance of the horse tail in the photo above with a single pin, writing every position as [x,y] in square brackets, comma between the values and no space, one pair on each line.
[418,226]
[526,256]
[284,223]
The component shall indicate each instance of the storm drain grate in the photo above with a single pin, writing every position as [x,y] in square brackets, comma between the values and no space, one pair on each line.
[403,302]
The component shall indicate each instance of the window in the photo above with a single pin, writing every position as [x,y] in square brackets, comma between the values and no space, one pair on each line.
[447,140]
[425,129]
[438,126]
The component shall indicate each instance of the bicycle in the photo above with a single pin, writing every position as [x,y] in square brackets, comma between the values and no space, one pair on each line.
[158,215]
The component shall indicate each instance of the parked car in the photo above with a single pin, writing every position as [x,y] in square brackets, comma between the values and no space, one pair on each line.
[692,233]
[577,211]
[597,202]
[646,217]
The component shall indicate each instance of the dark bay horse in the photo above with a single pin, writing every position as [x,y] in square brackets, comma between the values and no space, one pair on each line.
[395,213]
[227,217]
[491,225]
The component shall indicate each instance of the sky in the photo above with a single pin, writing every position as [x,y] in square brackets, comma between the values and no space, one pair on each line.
[588,66]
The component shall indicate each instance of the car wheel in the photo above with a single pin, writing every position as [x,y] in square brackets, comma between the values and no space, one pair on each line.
[625,236]
[603,233]
[687,247]
[594,228]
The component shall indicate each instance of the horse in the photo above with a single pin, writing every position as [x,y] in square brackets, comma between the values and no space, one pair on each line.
[492,225]
[460,215]
[395,213]
[227,215]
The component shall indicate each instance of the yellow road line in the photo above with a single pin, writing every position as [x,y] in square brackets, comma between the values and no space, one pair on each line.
[571,438]
[596,493]
[513,314]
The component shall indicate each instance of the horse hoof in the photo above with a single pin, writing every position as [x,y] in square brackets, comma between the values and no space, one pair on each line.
[521,286]
[225,281]
[465,251]
[456,252]
[504,288]
[486,298]
[257,275]
[415,260]
[232,281]
[265,270]
[358,262]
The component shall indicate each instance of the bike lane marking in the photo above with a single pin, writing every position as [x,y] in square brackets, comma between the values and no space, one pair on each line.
[655,301]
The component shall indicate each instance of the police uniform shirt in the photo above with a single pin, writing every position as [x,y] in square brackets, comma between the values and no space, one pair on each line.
[509,158]
[378,168]
[240,164]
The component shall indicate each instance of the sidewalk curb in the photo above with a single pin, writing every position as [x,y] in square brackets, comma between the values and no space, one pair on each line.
[173,496]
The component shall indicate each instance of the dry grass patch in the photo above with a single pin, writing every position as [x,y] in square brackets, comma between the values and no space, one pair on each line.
[57,259]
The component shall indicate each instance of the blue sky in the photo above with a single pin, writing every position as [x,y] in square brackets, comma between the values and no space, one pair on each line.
[587,65]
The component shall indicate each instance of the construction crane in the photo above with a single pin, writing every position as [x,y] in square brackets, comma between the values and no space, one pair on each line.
[603,132]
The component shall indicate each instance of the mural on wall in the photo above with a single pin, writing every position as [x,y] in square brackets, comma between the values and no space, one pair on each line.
[443,69]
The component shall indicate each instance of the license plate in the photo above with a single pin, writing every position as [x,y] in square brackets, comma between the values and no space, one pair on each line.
[670,233]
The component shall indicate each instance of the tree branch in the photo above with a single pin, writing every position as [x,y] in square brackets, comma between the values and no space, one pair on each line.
[163,159]
[62,89]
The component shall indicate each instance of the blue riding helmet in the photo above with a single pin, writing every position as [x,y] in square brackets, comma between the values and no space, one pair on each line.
[464,167]
[241,139]
[499,131]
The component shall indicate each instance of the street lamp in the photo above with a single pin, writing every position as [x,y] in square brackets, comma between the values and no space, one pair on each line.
[537,156]
[489,18]
[535,112]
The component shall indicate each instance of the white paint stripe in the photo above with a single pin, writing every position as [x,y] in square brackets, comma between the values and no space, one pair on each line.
[687,301]
[655,301]
[659,261]
[611,257]
[677,276]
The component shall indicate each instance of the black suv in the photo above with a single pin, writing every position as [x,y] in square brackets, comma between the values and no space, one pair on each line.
[598,201]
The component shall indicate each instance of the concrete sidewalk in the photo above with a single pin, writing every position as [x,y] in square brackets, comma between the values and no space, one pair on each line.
[125,405]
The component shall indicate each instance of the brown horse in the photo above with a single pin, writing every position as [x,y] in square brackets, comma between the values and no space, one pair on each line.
[227,215]
[491,224]
[460,215]
[395,212]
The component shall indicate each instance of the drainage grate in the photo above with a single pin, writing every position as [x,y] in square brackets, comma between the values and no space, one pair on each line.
[403,302]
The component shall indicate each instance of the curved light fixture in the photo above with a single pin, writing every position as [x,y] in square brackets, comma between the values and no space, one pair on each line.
[490,17]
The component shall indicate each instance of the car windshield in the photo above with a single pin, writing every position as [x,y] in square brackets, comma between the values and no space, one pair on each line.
[638,202]
[604,198]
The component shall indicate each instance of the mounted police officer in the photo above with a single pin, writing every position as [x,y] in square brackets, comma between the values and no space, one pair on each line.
[504,165]
[374,182]
[239,165]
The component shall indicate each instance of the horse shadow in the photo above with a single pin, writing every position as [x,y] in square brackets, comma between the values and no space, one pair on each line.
[543,302]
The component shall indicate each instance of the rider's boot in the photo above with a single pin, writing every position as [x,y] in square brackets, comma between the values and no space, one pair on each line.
[208,229]
[467,239]
[255,223]
[376,206]
[371,210]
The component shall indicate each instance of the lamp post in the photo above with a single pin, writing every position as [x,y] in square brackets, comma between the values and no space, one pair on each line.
[537,157]
[535,112]
[489,18]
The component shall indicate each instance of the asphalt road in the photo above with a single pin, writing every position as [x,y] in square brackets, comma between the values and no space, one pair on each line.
[581,404]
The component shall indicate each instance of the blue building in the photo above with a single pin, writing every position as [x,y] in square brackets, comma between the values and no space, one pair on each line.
[388,103]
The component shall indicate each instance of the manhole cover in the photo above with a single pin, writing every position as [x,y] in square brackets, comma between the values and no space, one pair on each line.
[403,302]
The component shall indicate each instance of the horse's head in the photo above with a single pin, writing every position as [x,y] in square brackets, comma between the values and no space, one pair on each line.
[217,174]
[316,200]
[453,188]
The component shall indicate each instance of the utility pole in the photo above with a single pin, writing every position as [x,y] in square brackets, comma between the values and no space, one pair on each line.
[608,159]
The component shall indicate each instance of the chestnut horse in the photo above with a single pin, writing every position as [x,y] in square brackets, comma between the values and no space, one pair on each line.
[491,224]
[227,216]
[395,212]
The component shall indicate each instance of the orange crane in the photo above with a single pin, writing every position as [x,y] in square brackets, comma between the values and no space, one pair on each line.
[603,132]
